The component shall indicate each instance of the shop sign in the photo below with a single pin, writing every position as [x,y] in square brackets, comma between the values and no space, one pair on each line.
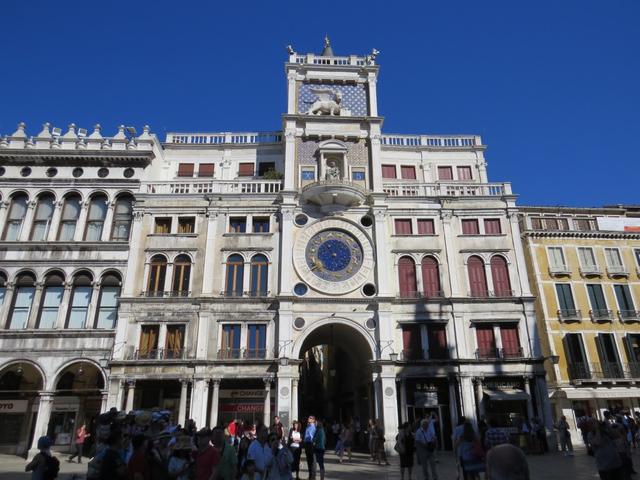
[243,407]
[13,406]
[425,399]
[242,393]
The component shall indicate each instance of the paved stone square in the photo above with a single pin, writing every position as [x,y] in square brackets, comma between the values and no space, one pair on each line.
[546,467]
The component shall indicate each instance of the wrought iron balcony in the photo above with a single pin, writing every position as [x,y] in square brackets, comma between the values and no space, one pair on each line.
[604,371]
[617,271]
[408,355]
[559,270]
[600,315]
[160,354]
[499,353]
[570,315]
[629,315]
[242,354]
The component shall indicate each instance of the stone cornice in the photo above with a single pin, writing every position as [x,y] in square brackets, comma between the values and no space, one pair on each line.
[581,234]
[98,157]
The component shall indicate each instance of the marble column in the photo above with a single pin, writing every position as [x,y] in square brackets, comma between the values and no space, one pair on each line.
[81,223]
[267,401]
[182,407]
[453,400]
[104,403]
[52,235]
[108,222]
[403,399]
[32,321]
[294,399]
[479,397]
[215,402]
[27,222]
[131,388]
[42,418]
[468,399]
[527,389]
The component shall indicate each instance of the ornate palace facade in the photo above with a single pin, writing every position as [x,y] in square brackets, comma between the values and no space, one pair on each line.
[326,268]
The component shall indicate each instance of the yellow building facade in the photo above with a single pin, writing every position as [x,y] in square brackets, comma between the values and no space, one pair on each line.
[584,268]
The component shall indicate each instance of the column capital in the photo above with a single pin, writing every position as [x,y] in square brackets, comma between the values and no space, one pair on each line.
[267,382]
[295,381]
[185,381]
[131,383]
[216,382]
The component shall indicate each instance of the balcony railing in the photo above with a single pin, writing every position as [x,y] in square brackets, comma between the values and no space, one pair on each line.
[617,271]
[458,189]
[604,371]
[241,294]
[221,138]
[429,354]
[491,294]
[499,353]
[559,270]
[242,353]
[569,314]
[629,315]
[200,187]
[431,141]
[601,315]
[160,354]
[590,271]
[424,295]
[160,293]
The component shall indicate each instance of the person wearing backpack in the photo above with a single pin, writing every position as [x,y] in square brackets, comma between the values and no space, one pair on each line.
[44,465]
[282,460]
[471,453]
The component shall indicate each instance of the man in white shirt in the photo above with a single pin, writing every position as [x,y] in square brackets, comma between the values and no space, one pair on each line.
[260,453]
[425,448]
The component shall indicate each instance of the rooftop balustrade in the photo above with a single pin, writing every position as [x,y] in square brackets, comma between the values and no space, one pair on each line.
[453,189]
[200,187]
[221,138]
[435,141]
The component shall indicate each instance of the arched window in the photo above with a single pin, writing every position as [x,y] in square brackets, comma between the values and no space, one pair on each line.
[95,218]
[407,277]
[69,218]
[51,300]
[181,275]
[15,218]
[477,277]
[430,278]
[80,300]
[3,287]
[235,273]
[500,274]
[122,216]
[107,311]
[42,218]
[157,274]
[259,275]
[22,300]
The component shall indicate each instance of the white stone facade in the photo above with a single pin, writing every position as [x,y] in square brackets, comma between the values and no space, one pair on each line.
[233,267]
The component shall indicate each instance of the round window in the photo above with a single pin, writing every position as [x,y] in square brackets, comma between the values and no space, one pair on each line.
[128,172]
[298,323]
[2,171]
[25,172]
[300,289]
[77,172]
[369,290]
[103,172]
[52,172]
[301,219]
[366,221]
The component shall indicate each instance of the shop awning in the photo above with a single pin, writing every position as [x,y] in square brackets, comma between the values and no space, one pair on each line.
[506,394]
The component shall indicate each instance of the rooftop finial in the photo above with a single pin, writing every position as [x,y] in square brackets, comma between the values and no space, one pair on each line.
[328,51]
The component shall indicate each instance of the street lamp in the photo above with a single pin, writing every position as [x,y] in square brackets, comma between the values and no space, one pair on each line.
[393,356]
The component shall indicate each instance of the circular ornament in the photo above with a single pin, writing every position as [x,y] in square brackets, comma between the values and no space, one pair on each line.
[388,391]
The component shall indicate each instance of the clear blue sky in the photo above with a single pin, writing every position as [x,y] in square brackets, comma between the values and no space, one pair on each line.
[553,86]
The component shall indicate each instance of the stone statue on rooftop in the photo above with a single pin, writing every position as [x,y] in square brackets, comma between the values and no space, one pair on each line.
[327,102]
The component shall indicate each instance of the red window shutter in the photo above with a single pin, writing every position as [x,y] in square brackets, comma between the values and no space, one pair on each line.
[510,340]
[445,173]
[408,172]
[492,226]
[464,173]
[425,226]
[411,343]
[245,170]
[437,341]
[500,274]
[477,277]
[486,340]
[407,277]
[470,227]
[206,169]
[430,277]
[403,226]
[388,171]
[185,169]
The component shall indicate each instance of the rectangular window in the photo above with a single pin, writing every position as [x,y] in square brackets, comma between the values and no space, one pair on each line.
[238,224]
[388,171]
[206,169]
[260,224]
[185,169]
[587,258]
[565,298]
[636,252]
[308,175]
[230,341]
[445,173]
[632,341]
[608,354]
[536,223]
[470,227]
[21,307]
[245,170]
[162,225]
[625,300]
[437,338]
[576,358]
[612,255]
[52,297]
[264,167]
[510,341]
[556,257]
[358,175]
[584,224]
[257,341]
[464,173]
[597,300]
[492,226]
[174,344]
[80,300]
[425,226]
[148,341]
[403,226]
[411,342]
[486,341]
[108,307]
[186,224]
[408,172]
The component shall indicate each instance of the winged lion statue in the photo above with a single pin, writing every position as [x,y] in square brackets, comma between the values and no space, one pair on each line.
[327,102]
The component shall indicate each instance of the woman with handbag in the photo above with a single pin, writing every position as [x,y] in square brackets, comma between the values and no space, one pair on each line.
[405,446]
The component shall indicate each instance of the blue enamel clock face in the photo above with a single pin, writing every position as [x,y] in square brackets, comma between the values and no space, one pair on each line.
[334,255]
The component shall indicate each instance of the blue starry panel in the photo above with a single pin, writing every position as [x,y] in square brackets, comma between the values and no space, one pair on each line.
[354,97]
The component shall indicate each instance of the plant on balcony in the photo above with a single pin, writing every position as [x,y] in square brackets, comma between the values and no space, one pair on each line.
[273,174]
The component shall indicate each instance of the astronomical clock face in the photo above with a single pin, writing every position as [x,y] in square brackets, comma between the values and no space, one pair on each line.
[333,256]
